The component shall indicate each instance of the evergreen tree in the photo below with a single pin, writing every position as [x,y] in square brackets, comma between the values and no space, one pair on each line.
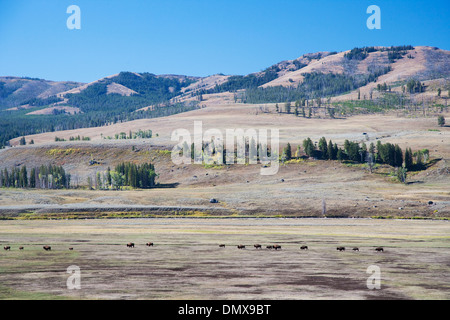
[340,155]
[330,151]
[108,176]
[323,148]
[287,106]
[23,177]
[363,152]
[287,152]
[398,156]
[33,178]
[309,147]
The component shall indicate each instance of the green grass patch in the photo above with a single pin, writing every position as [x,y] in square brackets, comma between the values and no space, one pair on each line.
[13,294]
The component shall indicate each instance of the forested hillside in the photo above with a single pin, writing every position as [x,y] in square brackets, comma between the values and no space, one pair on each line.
[98,107]
[30,106]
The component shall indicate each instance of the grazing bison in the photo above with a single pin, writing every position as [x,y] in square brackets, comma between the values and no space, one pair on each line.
[149,244]
[221,246]
[379,249]
[340,248]
[355,249]
[258,246]
[20,248]
[130,245]
[276,247]
[70,249]
[269,247]
[241,246]
[7,248]
[47,248]
[304,247]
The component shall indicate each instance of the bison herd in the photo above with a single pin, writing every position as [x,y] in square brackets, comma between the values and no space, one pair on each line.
[278,247]
[46,248]
[240,246]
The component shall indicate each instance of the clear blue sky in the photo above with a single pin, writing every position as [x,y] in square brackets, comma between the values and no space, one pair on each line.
[200,37]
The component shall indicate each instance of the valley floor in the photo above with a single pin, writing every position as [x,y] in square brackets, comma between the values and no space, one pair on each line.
[187,263]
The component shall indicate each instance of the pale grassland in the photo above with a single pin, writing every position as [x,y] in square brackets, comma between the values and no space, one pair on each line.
[187,263]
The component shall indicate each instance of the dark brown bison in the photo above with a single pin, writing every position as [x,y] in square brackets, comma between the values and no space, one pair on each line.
[355,249]
[340,248]
[277,247]
[149,244]
[241,246]
[130,245]
[304,247]
[21,248]
[7,248]
[47,248]
[269,247]
[70,249]
[258,246]
[379,249]
[221,246]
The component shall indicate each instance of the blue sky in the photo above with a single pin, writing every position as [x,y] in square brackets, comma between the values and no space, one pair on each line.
[200,37]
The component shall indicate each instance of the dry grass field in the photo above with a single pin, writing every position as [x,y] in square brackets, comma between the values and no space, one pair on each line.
[187,263]
[296,190]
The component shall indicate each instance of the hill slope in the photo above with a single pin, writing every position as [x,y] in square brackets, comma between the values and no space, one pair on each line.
[15,91]
[127,96]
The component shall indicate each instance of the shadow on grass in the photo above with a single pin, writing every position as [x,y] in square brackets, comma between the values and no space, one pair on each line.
[166,185]
[424,166]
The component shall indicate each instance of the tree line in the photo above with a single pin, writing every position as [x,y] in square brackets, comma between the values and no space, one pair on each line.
[315,85]
[43,177]
[125,174]
[394,52]
[55,177]
[387,153]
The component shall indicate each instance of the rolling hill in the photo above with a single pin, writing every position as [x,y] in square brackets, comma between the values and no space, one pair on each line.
[16,92]
[30,106]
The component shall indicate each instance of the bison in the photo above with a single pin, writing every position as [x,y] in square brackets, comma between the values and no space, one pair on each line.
[379,249]
[241,246]
[258,246]
[70,249]
[277,247]
[130,245]
[47,248]
[340,248]
[20,248]
[221,246]
[355,249]
[149,244]
[7,248]
[304,247]
[269,247]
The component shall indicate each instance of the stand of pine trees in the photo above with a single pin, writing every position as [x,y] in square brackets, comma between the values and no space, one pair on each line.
[388,153]
[54,177]
[137,176]
[44,177]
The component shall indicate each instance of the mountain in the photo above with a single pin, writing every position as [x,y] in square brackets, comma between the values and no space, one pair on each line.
[404,62]
[349,75]
[15,92]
